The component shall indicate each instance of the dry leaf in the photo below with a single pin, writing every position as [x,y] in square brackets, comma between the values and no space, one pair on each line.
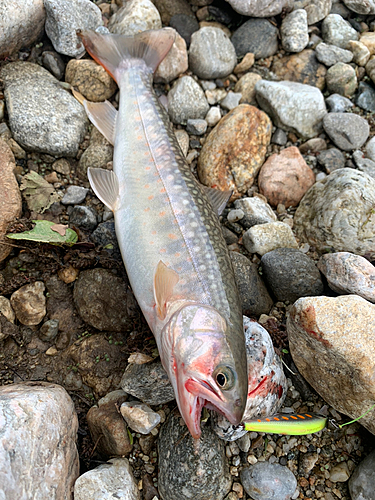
[38,193]
[59,228]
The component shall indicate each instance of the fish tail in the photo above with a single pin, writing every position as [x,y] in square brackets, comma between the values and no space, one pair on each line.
[117,53]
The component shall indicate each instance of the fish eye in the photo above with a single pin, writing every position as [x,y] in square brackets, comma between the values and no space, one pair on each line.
[225,377]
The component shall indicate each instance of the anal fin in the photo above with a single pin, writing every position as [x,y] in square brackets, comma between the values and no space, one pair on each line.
[105,185]
[165,279]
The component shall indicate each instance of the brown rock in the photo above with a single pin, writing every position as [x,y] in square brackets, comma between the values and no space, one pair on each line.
[314,145]
[285,178]
[246,86]
[368,39]
[91,79]
[97,155]
[302,68]
[29,303]
[175,63]
[10,199]
[245,64]
[235,150]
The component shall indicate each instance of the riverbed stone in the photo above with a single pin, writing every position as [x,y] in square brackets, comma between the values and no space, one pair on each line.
[246,87]
[331,54]
[341,78]
[263,238]
[135,16]
[170,8]
[29,303]
[294,31]
[338,103]
[90,79]
[347,131]
[361,7]
[303,67]
[361,482]
[186,100]
[97,155]
[337,31]
[365,97]
[256,211]
[361,53]
[331,159]
[264,480]
[175,63]
[258,36]
[316,9]
[139,417]
[257,8]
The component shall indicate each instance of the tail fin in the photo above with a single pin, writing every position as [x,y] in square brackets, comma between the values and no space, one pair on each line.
[115,51]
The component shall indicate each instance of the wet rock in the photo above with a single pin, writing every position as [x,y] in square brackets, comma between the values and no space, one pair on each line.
[6,309]
[231,100]
[347,273]
[292,106]
[339,473]
[254,295]
[182,460]
[64,18]
[285,178]
[263,238]
[49,330]
[111,480]
[235,150]
[361,7]
[83,217]
[97,155]
[361,53]
[186,100]
[332,345]
[331,54]
[347,131]
[10,200]
[361,483]
[139,417]
[29,303]
[74,195]
[342,79]
[175,62]
[43,116]
[290,274]
[170,8]
[256,211]
[258,36]
[337,31]
[90,79]
[196,127]
[264,480]
[365,98]
[338,103]
[135,16]
[211,54]
[294,31]
[257,8]
[148,382]
[185,25]
[331,159]
[25,441]
[97,295]
[246,87]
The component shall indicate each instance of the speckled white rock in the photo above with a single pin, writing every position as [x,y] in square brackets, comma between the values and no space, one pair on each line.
[294,31]
[259,8]
[139,417]
[213,116]
[135,16]
[316,9]
[337,31]
[186,100]
[263,238]
[257,210]
[175,62]
[29,303]
[337,213]
[361,6]
[38,453]
[108,481]
[333,346]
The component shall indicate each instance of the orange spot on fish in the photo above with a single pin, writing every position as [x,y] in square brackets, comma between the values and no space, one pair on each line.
[153,232]
[150,197]
[146,186]
[147,209]
[172,236]
[139,137]
[161,214]
[151,242]
[268,420]
[177,254]
[162,190]
[278,420]
[162,250]
[148,168]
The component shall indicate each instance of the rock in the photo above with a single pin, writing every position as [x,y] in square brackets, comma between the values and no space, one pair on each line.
[175,62]
[365,98]
[135,16]
[139,417]
[342,79]
[49,330]
[182,460]
[38,460]
[170,8]
[292,106]
[231,100]
[290,274]
[186,100]
[20,27]
[53,62]
[315,145]
[257,36]
[64,18]
[361,7]
[331,159]
[185,25]
[6,309]
[338,103]
[148,382]
[43,116]
[62,166]
[235,150]
[347,131]
[332,345]
[257,8]
[361,483]
[316,9]
[285,178]
[111,480]
[97,155]
[370,149]
[83,217]
[279,137]
[246,87]
[254,295]
[337,213]
[68,274]
[74,195]
[361,53]
[213,116]
[215,95]
[105,237]
[29,303]
[301,68]
[337,31]
[91,79]
[364,164]
[10,200]
[263,238]
[256,211]
[264,480]
[211,54]
[331,54]
[246,63]
[347,273]
[183,140]
[294,34]
[368,39]
[196,127]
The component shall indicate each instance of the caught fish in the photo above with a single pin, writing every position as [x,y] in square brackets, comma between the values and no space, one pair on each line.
[169,234]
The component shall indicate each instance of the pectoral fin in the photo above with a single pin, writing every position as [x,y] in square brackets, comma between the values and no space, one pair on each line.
[105,185]
[165,279]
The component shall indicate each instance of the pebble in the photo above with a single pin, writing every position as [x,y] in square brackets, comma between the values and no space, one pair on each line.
[105,237]
[90,79]
[342,79]
[256,210]
[83,217]
[257,36]
[368,39]
[54,63]
[185,25]
[294,31]
[292,106]
[263,481]
[196,127]
[361,482]
[263,238]
[327,338]
[186,100]
[338,103]
[361,7]
[347,131]
[10,200]
[331,159]
[365,97]
[211,53]
[290,274]
[337,31]
[317,10]
[6,309]
[111,480]
[49,330]
[64,18]
[29,303]
[213,116]
[38,453]
[331,54]
[97,155]
[339,473]
[175,63]
[135,16]
[279,137]
[361,53]
[257,8]
[231,100]
[62,166]
[198,468]
[285,178]
[364,164]
[246,63]
[43,116]
[246,87]
[315,145]
[215,95]
[74,195]
[139,417]
[370,149]
[169,8]
[237,144]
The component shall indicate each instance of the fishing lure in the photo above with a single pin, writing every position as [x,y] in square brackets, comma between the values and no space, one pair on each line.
[292,424]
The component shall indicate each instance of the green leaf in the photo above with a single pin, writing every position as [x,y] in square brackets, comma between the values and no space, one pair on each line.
[42,232]
[38,193]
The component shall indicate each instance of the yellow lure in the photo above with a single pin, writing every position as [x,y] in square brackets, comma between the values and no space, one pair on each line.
[292,424]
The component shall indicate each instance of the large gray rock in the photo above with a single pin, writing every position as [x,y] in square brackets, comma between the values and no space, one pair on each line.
[257,36]
[43,116]
[362,481]
[38,453]
[64,18]
[186,100]
[337,213]
[293,106]
[20,25]
[337,31]
[347,131]
[332,344]
[361,7]
[135,16]
[259,8]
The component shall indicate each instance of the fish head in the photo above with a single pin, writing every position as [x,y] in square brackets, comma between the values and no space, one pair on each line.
[202,366]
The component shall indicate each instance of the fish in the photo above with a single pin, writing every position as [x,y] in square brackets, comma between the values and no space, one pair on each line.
[169,234]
